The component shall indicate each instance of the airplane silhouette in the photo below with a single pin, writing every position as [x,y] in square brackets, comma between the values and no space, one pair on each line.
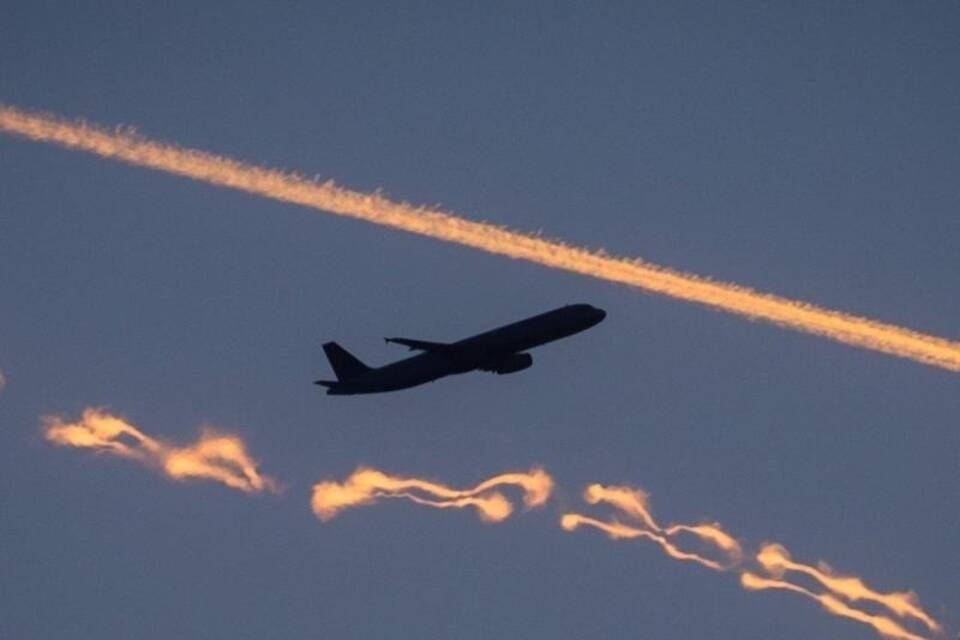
[499,351]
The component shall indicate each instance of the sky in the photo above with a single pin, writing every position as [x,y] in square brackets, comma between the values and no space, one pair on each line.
[808,150]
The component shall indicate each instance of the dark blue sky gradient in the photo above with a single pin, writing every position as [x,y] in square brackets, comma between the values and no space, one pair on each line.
[806,149]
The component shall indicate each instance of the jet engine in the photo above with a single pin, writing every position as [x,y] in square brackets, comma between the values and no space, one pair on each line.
[511,363]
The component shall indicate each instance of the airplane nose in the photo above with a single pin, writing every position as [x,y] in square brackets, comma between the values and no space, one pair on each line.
[598,314]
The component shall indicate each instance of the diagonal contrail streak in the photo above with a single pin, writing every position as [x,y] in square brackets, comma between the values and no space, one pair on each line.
[126,146]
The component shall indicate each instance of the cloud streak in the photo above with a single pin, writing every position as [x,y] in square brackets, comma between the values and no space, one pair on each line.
[214,456]
[126,146]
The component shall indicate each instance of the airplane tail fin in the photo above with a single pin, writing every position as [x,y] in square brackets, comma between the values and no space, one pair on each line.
[345,365]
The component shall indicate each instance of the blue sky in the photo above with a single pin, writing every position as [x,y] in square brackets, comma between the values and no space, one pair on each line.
[807,150]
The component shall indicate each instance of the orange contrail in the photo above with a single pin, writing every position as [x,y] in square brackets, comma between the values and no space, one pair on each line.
[776,560]
[215,456]
[365,486]
[126,146]
[634,503]
[618,530]
[772,558]
[884,626]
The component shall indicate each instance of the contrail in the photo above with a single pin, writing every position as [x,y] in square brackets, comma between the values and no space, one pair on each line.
[776,561]
[772,558]
[634,503]
[618,530]
[884,626]
[126,146]
[365,486]
[215,456]
[224,458]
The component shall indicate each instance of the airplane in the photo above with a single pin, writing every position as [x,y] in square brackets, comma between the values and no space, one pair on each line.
[499,351]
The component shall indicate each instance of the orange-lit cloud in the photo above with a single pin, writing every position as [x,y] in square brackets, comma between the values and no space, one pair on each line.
[365,486]
[633,505]
[125,146]
[215,456]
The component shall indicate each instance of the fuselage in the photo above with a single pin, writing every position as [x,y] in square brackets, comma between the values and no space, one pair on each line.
[482,351]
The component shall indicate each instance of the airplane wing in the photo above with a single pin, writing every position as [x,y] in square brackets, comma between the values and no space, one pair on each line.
[419,345]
